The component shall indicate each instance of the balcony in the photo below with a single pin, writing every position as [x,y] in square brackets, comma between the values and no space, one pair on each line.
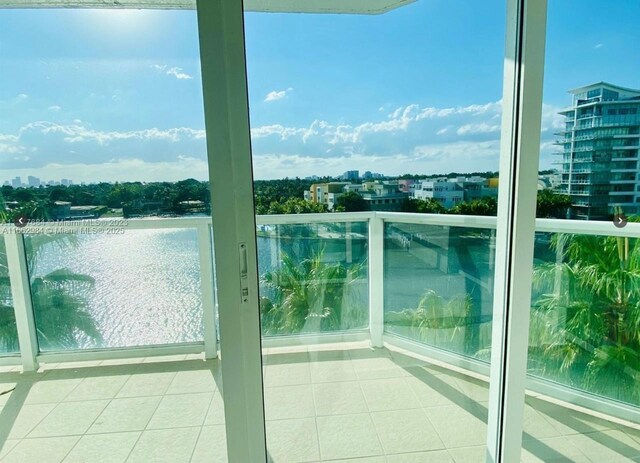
[416,287]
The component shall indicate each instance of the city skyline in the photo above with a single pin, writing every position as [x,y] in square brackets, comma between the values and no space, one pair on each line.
[421,98]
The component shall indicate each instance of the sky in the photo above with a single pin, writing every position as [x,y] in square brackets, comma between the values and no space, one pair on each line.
[111,95]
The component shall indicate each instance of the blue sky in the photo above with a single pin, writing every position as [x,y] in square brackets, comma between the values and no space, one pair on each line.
[116,95]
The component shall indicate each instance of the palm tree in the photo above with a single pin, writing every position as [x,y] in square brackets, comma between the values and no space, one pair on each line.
[59,300]
[311,296]
[587,315]
[437,321]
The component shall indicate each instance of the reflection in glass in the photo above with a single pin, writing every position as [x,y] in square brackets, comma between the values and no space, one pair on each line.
[586,314]
[313,278]
[138,288]
[439,286]
[8,331]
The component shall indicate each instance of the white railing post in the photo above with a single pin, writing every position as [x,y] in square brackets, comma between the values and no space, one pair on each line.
[22,304]
[376,280]
[205,251]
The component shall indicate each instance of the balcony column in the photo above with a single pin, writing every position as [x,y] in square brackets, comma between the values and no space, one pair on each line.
[376,280]
[22,304]
[519,159]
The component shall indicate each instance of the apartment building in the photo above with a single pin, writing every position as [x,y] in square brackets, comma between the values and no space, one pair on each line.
[599,155]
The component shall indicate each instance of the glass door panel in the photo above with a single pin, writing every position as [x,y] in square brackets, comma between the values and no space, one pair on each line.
[583,402]
[375,143]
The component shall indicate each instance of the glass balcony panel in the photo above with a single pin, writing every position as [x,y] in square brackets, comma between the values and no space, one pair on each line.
[313,278]
[439,286]
[135,288]
[8,331]
[584,311]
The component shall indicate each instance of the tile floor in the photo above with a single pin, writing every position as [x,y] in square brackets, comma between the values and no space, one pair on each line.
[342,404]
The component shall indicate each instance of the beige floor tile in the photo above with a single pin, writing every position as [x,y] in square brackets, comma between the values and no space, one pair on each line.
[433,391]
[292,441]
[103,448]
[377,368]
[342,398]
[609,446]
[457,426]
[555,449]
[28,418]
[190,382]
[215,415]
[438,456]
[404,431]
[369,353]
[98,387]
[132,414]
[165,359]
[44,450]
[535,426]
[69,419]
[567,421]
[468,454]
[287,402]
[348,436]
[8,445]
[287,374]
[331,371]
[181,410]
[474,389]
[51,391]
[146,384]
[211,446]
[362,460]
[165,446]
[389,394]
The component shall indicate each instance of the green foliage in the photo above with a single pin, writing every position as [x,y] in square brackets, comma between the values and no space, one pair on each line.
[351,202]
[311,296]
[59,300]
[423,206]
[435,321]
[588,315]
[483,206]
[296,206]
[552,205]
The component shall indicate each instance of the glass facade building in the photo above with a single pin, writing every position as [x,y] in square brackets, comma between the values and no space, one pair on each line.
[600,151]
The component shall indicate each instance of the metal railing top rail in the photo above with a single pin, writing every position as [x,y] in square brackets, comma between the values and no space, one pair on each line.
[468,221]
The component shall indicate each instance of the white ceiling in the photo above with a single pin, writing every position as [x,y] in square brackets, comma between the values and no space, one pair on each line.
[273,6]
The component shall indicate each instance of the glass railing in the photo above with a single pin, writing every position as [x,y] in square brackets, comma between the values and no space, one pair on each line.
[313,277]
[8,330]
[585,314]
[115,288]
[438,283]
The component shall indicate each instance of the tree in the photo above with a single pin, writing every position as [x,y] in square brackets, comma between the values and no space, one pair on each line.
[296,206]
[423,206]
[587,315]
[311,296]
[482,206]
[59,300]
[351,202]
[552,205]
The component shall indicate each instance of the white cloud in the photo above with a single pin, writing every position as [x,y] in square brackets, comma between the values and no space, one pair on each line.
[277,95]
[54,108]
[482,127]
[597,45]
[20,98]
[174,71]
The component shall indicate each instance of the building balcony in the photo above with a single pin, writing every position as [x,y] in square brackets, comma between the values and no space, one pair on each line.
[148,386]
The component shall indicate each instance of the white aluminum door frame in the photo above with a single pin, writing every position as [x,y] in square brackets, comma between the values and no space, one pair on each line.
[519,160]
[224,81]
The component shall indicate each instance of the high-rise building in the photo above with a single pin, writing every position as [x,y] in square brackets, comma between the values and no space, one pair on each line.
[16,182]
[600,151]
[33,181]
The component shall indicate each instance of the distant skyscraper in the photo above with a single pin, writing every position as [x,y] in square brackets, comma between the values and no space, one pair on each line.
[16,182]
[351,175]
[600,151]
[33,181]
[65,182]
